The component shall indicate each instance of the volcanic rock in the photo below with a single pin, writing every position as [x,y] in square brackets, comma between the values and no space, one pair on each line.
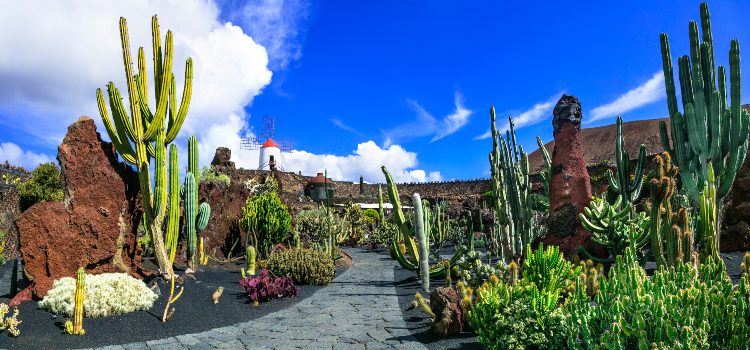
[96,225]
[735,234]
[449,320]
[222,158]
[570,189]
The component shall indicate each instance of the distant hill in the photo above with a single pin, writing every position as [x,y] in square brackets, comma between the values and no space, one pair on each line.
[599,142]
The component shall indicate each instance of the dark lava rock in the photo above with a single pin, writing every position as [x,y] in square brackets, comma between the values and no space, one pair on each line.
[95,227]
[444,302]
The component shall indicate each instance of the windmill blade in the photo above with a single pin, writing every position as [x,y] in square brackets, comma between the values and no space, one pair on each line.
[285,146]
[250,143]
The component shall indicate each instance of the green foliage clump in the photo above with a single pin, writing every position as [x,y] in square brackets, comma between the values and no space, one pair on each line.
[266,220]
[516,317]
[538,202]
[45,184]
[314,223]
[474,272]
[304,266]
[209,174]
[682,307]
[371,215]
[105,294]
[385,233]
[356,223]
[548,270]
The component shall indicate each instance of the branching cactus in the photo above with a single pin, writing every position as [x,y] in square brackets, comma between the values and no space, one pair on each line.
[711,132]
[509,166]
[173,222]
[621,183]
[671,237]
[144,134]
[611,225]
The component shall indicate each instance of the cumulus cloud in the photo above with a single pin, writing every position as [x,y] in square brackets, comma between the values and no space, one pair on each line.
[426,124]
[15,155]
[366,160]
[531,116]
[51,70]
[649,92]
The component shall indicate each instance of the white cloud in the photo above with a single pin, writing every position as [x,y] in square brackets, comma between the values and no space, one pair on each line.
[341,125]
[426,124]
[277,25]
[51,70]
[649,92]
[366,160]
[15,155]
[539,112]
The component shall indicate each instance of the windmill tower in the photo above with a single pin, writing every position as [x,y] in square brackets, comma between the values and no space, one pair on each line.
[270,149]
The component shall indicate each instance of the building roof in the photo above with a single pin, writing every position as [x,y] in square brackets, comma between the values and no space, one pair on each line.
[319,179]
[269,143]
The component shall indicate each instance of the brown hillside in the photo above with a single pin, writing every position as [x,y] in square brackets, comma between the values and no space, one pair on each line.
[599,142]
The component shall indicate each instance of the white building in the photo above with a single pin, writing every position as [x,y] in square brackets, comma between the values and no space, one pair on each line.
[270,153]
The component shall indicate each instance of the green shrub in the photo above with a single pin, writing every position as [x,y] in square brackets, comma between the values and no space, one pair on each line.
[682,307]
[266,220]
[538,202]
[104,295]
[371,215]
[516,317]
[304,266]
[209,174]
[45,184]
[313,223]
[356,224]
[385,233]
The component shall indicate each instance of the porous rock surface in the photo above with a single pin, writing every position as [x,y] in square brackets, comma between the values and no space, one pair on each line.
[95,227]
[449,318]
[570,189]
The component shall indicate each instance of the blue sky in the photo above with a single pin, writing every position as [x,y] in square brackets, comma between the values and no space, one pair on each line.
[416,78]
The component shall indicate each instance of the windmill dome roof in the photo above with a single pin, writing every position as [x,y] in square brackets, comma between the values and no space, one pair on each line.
[269,143]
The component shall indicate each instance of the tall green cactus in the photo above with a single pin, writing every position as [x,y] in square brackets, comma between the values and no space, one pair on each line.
[421,221]
[707,217]
[547,173]
[144,134]
[509,166]
[381,213]
[628,189]
[411,262]
[191,210]
[711,132]
[173,223]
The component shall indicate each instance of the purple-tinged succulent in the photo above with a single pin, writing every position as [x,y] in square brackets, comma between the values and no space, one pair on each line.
[265,287]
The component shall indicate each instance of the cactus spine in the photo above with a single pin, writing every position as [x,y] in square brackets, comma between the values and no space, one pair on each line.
[509,166]
[78,306]
[191,211]
[711,132]
[621,184]
[250,256]
[421,217]
[144,134]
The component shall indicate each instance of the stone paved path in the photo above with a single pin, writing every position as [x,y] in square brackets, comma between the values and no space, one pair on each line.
[359,310]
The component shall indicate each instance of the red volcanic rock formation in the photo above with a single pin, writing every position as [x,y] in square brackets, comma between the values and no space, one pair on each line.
[449,318]
[95,227]
[570,189]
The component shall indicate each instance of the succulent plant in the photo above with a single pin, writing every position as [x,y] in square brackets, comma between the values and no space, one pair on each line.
[304,266]
[265,287]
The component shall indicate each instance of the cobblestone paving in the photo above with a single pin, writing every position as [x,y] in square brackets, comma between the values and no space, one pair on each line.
[359,310]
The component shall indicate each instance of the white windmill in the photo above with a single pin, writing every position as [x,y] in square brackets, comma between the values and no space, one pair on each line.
[270,149]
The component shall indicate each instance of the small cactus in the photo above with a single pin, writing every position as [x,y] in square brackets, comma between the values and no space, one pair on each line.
[512,273]
[250,256]
[76,327]
[423,304]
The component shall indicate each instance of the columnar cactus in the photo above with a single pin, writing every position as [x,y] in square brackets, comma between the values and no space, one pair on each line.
[628,189]
[710,132]
[77,325]
[173,222]
[191,210]
[671,237]
[707,218]
[250,257]
[201,222]
[421,221]
[547,173]
[509,166]
[144,134]
[381,213]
